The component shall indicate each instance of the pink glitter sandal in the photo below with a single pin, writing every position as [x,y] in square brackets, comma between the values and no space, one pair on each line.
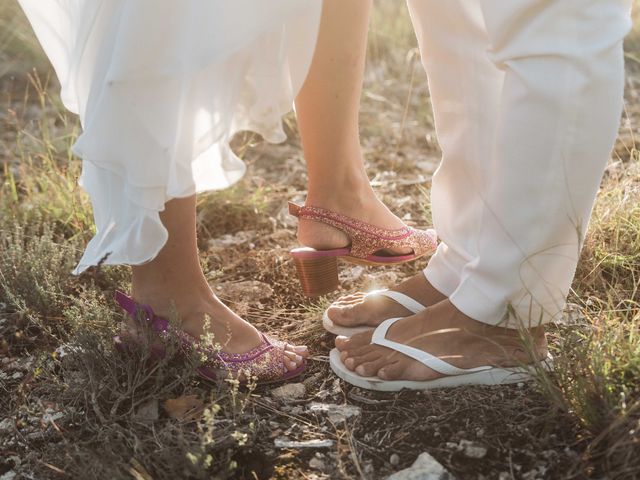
[318,269]
[265,363]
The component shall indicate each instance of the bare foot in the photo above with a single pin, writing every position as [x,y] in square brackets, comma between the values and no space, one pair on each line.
[202,314]
[359,203]
[358,310]
[445,332]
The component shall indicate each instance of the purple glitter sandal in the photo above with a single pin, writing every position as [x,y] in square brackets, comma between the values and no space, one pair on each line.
[265,363]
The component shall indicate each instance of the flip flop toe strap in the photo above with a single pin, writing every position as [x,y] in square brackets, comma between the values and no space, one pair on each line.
[400,298]
[427,359]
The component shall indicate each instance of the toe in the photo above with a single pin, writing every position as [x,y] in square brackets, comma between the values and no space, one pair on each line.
[294,358]
[355,341]
[301,350]
[391,371]
[291,365]
[341,315]
[370,366]
[357,358]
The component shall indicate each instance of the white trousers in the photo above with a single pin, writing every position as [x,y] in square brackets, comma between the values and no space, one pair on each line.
[527,97]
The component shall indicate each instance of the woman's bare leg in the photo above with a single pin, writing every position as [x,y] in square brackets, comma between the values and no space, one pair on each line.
[174,281]
[327,110]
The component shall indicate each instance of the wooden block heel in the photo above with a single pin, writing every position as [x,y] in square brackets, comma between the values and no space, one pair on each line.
[318,276]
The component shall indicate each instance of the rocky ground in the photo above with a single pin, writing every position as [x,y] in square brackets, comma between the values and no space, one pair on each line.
[71,406]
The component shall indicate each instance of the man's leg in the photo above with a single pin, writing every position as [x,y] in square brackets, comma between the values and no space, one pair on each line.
[559,112]
[465,88]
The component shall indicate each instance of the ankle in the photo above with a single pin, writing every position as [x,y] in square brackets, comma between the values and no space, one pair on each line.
[336,191]
[167,299]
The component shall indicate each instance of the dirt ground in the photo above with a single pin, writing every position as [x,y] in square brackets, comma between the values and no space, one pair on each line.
[71,406]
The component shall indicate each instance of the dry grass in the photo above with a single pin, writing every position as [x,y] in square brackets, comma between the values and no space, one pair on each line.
[73,407]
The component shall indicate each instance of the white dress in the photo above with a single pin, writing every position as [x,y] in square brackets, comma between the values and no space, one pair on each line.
[160,87]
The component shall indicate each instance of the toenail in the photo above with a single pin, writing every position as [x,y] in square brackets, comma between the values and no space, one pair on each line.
[349,362]
[360,371]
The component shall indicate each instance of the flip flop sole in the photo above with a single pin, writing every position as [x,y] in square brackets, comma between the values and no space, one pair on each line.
[400,298]
[494,376]
[331,327]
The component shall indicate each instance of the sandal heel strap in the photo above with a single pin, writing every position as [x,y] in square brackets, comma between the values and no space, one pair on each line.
[139,311]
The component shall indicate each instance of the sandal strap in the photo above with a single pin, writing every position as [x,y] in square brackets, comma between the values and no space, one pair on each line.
[265,362]
[406,301]
[427,359]
[141,312]
[366,239]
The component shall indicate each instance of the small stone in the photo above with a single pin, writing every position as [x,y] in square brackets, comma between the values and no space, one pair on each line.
[424,468]
[473,449]
[17,375]
[51,416]
[394,459]
[289,392]
[10,475]
[282,442]
[368,469]
[336,413]
[317,464]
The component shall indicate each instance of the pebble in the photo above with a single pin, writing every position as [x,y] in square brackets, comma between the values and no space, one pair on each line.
[289,392]
[282,442]
[50,416]
[473,449]
[317,464]
[424,468]
[394,459]
[336,413]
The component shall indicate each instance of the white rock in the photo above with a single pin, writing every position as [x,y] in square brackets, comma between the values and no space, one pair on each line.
[472,449]
[424,468]
[394,459]
[282,442]
[336,413]
[289,392]
[316,464]
[50,417]
[10,475]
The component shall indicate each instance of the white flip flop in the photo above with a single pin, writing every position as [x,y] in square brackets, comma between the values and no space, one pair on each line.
[400,298]
[455,377]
